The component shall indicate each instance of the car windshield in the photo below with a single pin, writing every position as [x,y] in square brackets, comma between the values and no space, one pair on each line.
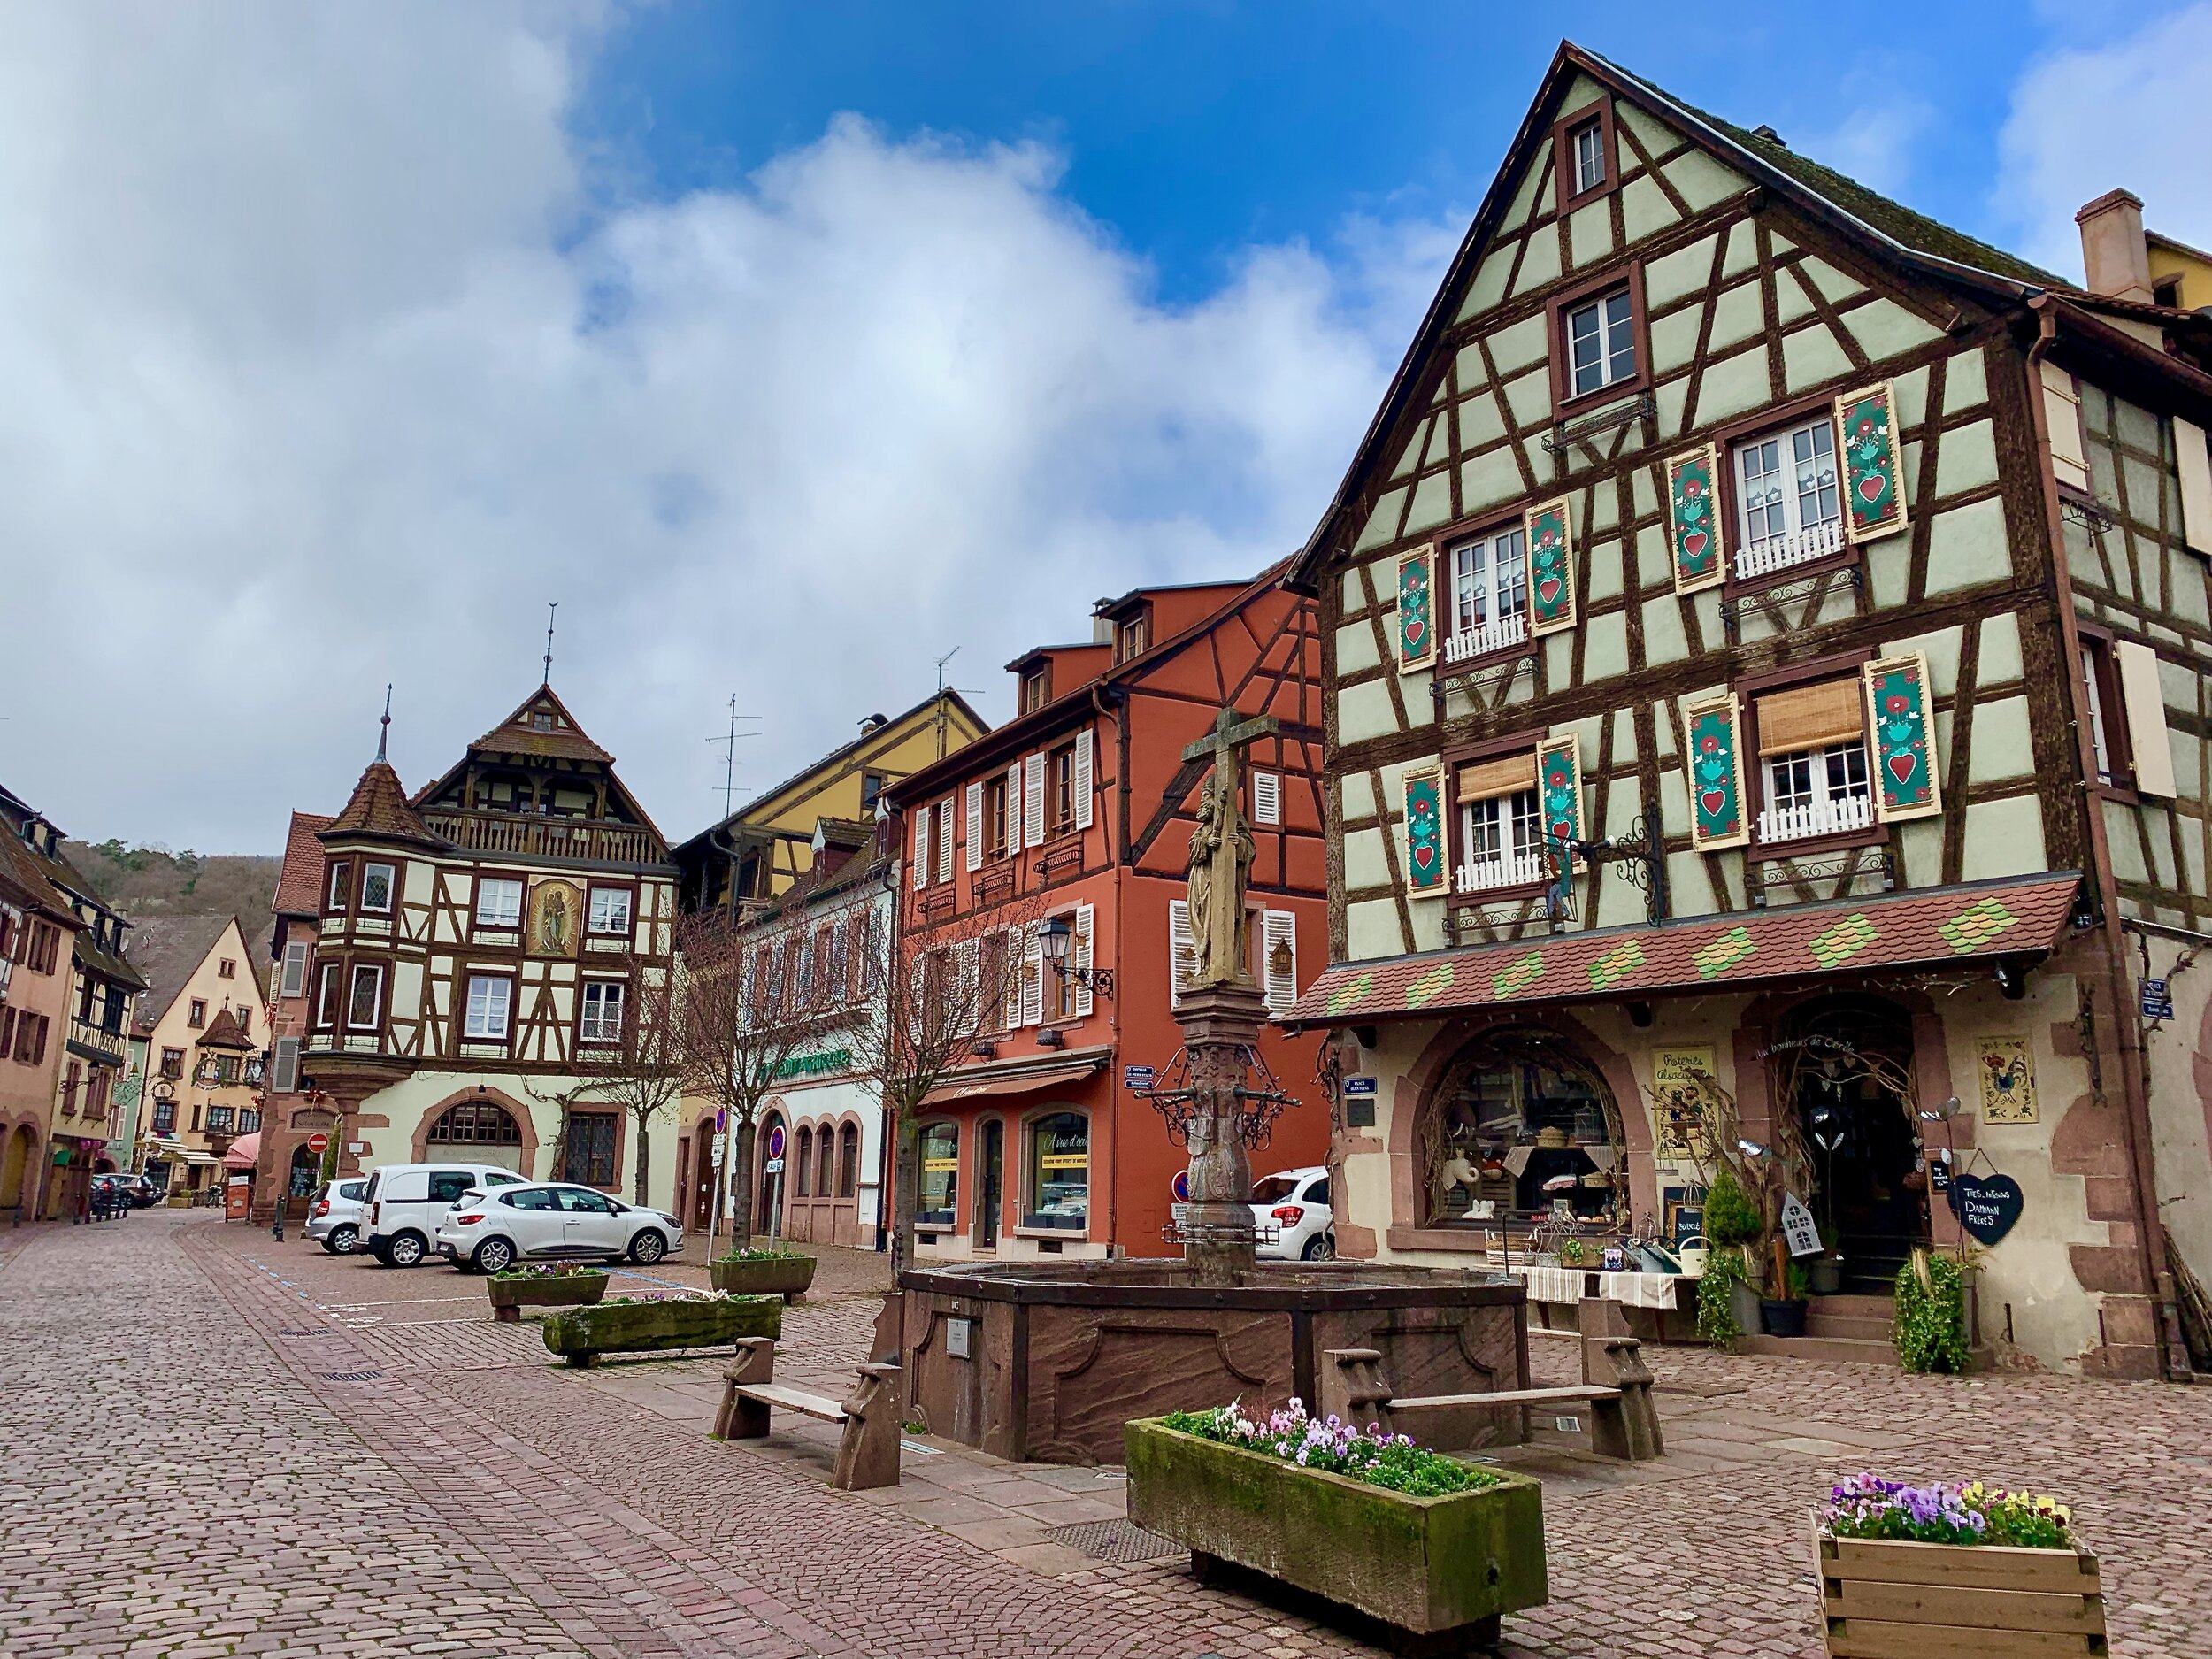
[1273,1189]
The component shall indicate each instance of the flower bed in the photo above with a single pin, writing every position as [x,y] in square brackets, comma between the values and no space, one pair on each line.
[629,1325]
[521,1288]
[786,1273]
[1954,1569]
[1419,1541]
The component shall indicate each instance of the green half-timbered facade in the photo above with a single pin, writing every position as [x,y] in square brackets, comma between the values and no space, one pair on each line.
[1765,634]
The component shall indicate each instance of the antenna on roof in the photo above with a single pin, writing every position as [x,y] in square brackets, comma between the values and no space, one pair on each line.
[944,718]
[551,606]
[384,731]
[729,757]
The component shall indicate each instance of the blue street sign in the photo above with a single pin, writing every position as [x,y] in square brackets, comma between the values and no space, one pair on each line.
[1136,1077]
[1359,1085]
[2158,1003]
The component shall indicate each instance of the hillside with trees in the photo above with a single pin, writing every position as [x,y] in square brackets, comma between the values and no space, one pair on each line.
[151,880]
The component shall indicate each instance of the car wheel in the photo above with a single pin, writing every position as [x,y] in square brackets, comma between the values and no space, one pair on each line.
[406,1250]
[494,1255]
[1320,1247]
[344,1240]
[648,1247]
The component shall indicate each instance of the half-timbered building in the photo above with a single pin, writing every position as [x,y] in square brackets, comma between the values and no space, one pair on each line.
[1063,837]
[1763,636]
[474,945]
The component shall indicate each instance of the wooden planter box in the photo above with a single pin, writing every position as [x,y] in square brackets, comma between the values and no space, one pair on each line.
[1438,1571]
[1890,1599]
[786,1276]
[510,1296]
[580,1335]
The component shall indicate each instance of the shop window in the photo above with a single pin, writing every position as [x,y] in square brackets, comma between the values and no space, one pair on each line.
[803,1182]
[1519,1125]
[825,1145]
[1812,761]
[849,1160]
[588,1150]
[940,1175]
[1488,595]
[1059,1172]
[1499,825]
[1789,510]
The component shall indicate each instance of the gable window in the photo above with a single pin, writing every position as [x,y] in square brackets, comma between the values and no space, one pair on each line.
[541,720]
[870,790]
[340,885]
[1488,594]
[1602,342]
[610,910]
[326,996]
[365,1002]
[490,997]
[498,902]
[244,1017]
[196,1015]
[1812,761]
[1500,825]
[602,1019]
[1587,143]
[1789,510]
[376,889]
[940,1175]
[226,968]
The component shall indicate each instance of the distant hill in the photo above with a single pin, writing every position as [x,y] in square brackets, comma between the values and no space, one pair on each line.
[143,881]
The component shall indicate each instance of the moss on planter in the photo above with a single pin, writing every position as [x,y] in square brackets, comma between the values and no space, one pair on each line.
[581,1334]
[785,1276]
[1424,1564]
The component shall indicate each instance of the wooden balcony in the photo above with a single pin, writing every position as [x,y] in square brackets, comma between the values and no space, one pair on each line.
[574,840]
[91,1038]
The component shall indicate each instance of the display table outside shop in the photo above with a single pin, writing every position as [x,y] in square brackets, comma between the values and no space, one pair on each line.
[1550,1286]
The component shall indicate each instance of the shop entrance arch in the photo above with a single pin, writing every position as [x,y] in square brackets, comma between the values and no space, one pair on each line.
[1843,1065]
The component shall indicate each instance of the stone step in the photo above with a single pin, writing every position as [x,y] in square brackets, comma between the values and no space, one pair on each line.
[1845,1351]
[1858,1327]
[1856,1307]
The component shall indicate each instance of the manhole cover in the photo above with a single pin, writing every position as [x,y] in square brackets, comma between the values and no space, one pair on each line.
[1115,1540]
[352,1376]
[318,1331]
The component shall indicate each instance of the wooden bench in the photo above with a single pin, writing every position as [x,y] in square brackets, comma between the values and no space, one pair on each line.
[867,1454]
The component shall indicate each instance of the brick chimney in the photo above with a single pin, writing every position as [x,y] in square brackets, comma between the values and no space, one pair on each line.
[2113,253]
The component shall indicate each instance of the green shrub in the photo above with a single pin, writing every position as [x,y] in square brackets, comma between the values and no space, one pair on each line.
[1715,1315]
[1931,1329]
[1730,1217]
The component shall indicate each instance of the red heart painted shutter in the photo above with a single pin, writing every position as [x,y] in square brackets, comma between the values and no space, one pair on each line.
[1416,609]
[1713,727]
[1901,731]
[1551,567]
[1873,472]
[1694,518]
[1424,831]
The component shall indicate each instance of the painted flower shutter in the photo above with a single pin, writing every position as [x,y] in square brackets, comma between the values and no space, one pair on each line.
[1182,949]
[2150,750]
[974,859]
[1873,468]
[1900,721]
[1081,949]
[1080,770]
[1714,727]
[921,849]
[1694,518]
[1416,609]
[944,839]
[1034,800]
[1551,567]
[1424,831]
[284,1072]
[1279,959]
[1267,797]
[1559,793]
[1033,977]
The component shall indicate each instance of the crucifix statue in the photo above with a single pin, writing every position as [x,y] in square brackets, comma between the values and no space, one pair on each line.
[1221,852]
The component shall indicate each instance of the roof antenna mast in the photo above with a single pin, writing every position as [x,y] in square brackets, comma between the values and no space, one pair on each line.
[729,753]
[551,606]
[941,661]
[384,731]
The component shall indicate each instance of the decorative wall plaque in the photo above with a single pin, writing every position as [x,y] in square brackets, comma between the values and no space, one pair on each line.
[2006,1067]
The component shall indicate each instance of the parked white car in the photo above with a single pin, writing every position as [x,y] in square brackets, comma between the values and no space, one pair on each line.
[540,1221]
[1296,1204]
[333,1220]
[405,1201]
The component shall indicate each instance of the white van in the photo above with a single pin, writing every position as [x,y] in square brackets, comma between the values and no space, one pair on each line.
[405,1201]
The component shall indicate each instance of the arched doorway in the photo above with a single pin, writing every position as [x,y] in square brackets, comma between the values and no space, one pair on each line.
[16,1164]
[302,1177]
[702,1176]
[1843,1065]
[482,1130]
[1519,1123]
[768,1210]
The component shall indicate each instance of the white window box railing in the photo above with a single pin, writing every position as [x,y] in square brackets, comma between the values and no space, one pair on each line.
[1465,645]
[1799,547]
[1483,875]
[1816,817]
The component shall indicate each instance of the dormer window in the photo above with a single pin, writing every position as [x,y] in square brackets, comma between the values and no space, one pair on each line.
[1036,689]
[540,720]
[1132,636]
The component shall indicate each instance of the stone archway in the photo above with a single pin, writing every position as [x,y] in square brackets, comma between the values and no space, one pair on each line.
[17,1162]
[443,1126]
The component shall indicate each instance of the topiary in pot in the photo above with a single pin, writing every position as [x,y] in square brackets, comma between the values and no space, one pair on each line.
[1731,1217]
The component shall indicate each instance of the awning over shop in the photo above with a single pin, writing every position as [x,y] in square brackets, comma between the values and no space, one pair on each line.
[2019,917]
[244,1152]
[1019,1077]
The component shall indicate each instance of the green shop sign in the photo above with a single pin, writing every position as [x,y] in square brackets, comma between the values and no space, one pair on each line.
[816,1065]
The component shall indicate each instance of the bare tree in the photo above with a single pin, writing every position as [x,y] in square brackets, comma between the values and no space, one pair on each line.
[932,995]
[748,1003]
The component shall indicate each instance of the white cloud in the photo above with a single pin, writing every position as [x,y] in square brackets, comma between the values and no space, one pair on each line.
[325,367]
[2129,111]
[1877,143]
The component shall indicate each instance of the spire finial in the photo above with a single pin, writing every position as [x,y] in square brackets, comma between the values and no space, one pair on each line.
[551,606]
[384,730]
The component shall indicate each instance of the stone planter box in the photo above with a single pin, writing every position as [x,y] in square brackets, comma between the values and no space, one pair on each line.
[580,1335]
[786,1276]
[1882,1598]
[510,1296]
[1440,1572]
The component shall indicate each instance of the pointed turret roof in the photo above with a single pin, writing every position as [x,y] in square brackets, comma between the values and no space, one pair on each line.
[222,1032]
[378,806]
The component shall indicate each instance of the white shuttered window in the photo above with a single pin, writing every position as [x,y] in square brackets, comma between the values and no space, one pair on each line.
[1080,775]
[1267,797]
[1034,801]
[1081,949]
[1032,978]
[921,847]
[1182,949]
[944,839]
[975,826]
[1279,959]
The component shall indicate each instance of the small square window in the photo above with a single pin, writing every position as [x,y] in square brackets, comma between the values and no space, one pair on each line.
[1602,342]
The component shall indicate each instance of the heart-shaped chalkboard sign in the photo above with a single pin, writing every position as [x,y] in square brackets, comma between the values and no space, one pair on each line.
[1988,1205]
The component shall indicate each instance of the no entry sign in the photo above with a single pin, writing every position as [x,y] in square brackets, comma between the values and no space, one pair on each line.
[319,1144]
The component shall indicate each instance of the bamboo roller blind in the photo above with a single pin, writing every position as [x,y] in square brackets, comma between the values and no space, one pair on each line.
[1489,779]
[1812,717]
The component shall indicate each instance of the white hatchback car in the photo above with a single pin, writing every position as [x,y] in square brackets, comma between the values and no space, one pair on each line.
[333,1220]
[541,1221]
[1295,1203]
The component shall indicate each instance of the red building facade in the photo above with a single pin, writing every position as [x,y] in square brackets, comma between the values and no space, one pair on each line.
[1063,835]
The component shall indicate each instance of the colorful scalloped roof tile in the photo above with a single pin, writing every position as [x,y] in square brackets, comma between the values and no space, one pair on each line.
[2024,916]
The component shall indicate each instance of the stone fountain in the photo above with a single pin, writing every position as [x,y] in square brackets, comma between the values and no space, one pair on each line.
[1038,1361]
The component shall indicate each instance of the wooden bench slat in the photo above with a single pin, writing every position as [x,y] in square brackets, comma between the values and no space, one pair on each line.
[1509,1397]
[793,1400]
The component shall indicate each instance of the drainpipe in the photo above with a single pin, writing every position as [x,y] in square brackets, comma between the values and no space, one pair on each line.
[2134,1081]
[1119,707]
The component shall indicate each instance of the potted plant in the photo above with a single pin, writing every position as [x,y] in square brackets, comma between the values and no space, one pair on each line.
[1931,1318]
[629,1325]
[1784,1315]
[1419,1541]
[1824,1272]
[543,1286]
[1964,1570]
[764,1271]
[1732,1222]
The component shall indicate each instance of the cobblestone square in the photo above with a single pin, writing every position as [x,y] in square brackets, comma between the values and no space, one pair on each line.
[215,1444]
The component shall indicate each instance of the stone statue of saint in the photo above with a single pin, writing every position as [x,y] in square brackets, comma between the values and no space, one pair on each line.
[1221,853]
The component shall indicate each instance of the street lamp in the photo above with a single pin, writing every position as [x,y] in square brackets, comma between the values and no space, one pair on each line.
[1055,938]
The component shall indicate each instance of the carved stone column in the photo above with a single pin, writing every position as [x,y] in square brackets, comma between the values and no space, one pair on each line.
[1220,1023]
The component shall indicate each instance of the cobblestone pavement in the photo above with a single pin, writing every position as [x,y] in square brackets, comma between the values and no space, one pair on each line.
[212,1443]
